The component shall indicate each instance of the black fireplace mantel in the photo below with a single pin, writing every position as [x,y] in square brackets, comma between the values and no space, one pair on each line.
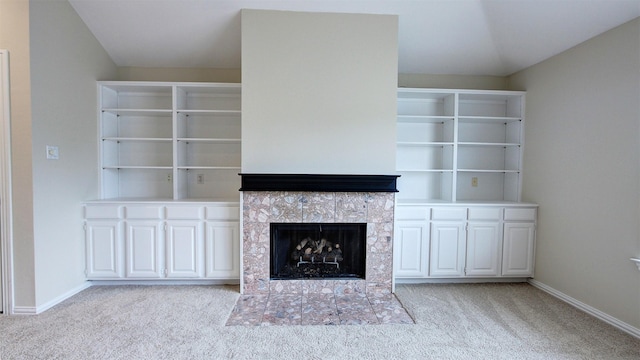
[319,182]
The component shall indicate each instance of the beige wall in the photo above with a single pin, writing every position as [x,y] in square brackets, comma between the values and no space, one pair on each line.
[66,62]
[581,165]
[128,73]
[14,37]
[318,92]
[453,81]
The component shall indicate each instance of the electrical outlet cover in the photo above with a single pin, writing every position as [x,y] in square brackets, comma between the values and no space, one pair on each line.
[52,152]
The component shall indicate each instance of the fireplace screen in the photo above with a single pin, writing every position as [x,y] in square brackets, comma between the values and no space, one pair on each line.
[318,250]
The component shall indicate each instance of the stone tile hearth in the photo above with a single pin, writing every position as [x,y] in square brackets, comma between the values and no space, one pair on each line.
[318,309]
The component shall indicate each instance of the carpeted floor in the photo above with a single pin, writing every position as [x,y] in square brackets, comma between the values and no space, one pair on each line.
[461,321]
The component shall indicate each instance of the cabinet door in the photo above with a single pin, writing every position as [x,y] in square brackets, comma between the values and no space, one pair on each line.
[447,249]
[144,249]
[483,249]
[411,249]
[222,250]
[184,249]
[104,249]
[517,252]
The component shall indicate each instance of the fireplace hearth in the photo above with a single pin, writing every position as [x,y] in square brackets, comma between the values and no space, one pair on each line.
[301,211]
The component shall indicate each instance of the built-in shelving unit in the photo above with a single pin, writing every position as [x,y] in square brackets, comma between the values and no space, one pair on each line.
[458,213]
[177,141]
[169,164]
[459,145]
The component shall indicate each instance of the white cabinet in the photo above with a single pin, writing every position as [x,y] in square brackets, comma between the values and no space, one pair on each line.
[223,246]
[447,249]
[411,249]
[484,240]
[104,248]
[459,145]
[104,241]
[143,239]
[169,140]
[157,240]
[518,249]
[185,250]
[519,242]
[144,249]
[483,249]
[447,241]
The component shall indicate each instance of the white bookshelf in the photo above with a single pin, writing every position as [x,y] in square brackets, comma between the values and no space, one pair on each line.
[170,141]
[459,145]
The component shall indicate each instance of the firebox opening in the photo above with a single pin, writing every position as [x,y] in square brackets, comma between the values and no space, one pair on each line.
[318,250]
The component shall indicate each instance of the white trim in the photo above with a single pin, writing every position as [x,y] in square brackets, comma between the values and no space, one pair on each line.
[48,305]
[460,280]
[241,247]
[125,282]
[24,310]
[6,205]
[621,325]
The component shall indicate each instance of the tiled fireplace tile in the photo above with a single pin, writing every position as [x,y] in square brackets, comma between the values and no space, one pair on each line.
[346,287]
[293,287]
[286,207]
[256,286]
[283,310]
[380,237]
[256,237]
[249,310]
[351,207]
[319,309]
[354,309]
[256,206]
[318,286]
[380,207]
[379,267]
[318,207]
[379,288]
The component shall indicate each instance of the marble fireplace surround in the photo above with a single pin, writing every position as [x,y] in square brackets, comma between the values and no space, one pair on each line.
[286,198]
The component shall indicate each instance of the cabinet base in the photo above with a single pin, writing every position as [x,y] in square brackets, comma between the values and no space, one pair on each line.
[166,282]
[465,280]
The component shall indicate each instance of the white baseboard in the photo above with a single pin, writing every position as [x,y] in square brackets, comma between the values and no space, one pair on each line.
[24,310]
[621,325]
[53,302]
[465,280]
[165,282]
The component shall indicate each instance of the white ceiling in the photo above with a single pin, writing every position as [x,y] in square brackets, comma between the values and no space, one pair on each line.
[466,37]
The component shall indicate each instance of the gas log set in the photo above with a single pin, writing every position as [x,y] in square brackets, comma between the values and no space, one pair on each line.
[317,250]
[323,251]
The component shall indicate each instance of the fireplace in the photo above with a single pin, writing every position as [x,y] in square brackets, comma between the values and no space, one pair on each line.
[296,207]
[318,250]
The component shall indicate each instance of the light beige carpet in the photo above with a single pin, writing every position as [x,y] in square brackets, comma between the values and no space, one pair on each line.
[479,321]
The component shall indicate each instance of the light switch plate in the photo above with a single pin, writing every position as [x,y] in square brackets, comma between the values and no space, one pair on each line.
[52,152]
